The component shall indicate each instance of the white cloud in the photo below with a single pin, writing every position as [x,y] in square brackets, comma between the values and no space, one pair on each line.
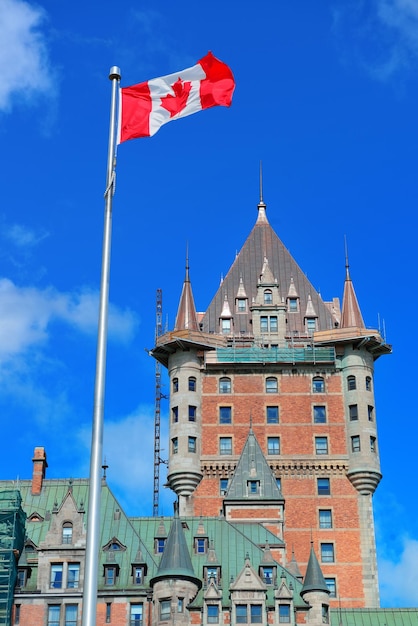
[128,448]
[26,315]
[26,70]
[22,237]
[399,578]
[380,36]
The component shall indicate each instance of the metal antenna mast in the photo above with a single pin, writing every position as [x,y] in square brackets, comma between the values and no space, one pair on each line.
[157,418]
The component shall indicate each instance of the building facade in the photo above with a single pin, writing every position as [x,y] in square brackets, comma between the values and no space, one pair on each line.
[270,356]
[274,460]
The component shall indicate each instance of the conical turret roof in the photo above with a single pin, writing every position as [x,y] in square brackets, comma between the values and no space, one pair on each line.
[351,315]
[314,578]
[186,314]
[176,561]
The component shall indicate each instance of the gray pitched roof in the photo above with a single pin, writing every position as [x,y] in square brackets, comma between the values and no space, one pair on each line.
[263,243]
[252,465]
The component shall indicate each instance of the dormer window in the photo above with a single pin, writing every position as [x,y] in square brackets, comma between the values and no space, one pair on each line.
[253,487]
[268,296]
[241,305]
[268,574]
[213,573]
[226,326]
[310,324]
[110,573]
[159,545]
[292,305]
[113,545]
[200,545]
[137,574]
[67,533]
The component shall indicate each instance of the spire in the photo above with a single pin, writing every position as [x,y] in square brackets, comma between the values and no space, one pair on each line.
[293,567]
[186,313]
[226,311]
[176,561]
[261,206]
[310,309]
[314,578]
[351,315]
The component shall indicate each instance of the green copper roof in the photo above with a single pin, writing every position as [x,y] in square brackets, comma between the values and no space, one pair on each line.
[373,617]
[252,466]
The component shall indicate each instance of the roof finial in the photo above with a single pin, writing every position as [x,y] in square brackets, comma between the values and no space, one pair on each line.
[347,266]
[187,261]
[261,206]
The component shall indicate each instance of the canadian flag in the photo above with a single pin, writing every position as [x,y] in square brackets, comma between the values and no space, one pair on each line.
[145,107]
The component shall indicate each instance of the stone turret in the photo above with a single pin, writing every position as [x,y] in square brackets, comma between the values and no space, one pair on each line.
[315,592]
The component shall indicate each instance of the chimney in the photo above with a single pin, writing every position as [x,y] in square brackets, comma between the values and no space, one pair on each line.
[39,467]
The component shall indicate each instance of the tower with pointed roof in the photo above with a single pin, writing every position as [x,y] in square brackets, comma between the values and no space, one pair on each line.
[281,413]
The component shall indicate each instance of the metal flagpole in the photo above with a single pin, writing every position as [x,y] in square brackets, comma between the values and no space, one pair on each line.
[96,458]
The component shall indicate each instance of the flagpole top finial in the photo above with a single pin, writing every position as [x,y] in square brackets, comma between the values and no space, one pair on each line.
[114,72]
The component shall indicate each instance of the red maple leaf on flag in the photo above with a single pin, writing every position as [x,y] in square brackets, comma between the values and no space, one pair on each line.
[175,104]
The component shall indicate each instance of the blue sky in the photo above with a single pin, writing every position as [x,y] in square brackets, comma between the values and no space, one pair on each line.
[326,97]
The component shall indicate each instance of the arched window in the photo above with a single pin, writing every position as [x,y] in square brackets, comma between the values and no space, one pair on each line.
[67,532]
[318,384]
[268,296]
[271,384]
[224,385]
[351,383]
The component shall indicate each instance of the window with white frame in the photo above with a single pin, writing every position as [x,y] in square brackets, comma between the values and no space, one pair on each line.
[54,611]
[321,445]
[325,518]
[136,614]
[327,553]
[225,445]
[56,576]
[71,615]
[73,575]
[165,610]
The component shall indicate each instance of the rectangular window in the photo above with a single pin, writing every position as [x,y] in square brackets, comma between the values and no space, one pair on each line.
[180,605]
[21,578]
[108,612]
[56,576]
[272,414]
[159,545]
[311,324]
[273,324]
[175,414]
[192,444]
[264,323]
[368,383]
[241,305]
[325,614]
[327,552]
[54,615]
[226,327]
[370,413]
[213,614]
[17,614]
[73,575]
[279,483]
[284,613]
[325,518]
[355,443]
[138,575]
[192,413]
[321,445]
[136,615]
[318,384]
[225,445]
[255,612]
[71,611]
[293,305]
[223,486]
[212,573]
[351,383]
[165,610]
[241,613]
[175,385]
[324,488]
[319,414]
[271,385]
[332,587]
[273,445]
[372,444]
[267,574]
[253,486]
[174,445]
[192,383]
[353,412]
[110,575]
[200,545]
[225,414]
